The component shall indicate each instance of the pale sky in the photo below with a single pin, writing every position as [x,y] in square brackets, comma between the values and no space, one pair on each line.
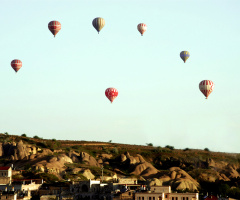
[60,90]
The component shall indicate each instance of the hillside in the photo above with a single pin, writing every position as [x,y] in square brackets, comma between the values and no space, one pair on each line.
[185,170]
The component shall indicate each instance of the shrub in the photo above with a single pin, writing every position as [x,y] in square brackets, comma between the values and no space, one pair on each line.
[41,145]
[115,150]
[24,135]
[158,149]
[36,137]
[169,147]
[49,178]
[149,144]
[68,149]
[206,149]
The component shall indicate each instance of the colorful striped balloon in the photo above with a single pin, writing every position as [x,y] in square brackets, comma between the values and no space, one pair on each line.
[142,28]
[54,27]
[16,64]
[206,87]
[184,55]
[98,23]
[111,93]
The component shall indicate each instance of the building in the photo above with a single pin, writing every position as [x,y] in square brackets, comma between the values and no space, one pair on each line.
[5,175]
[91,189]
[27,184]
[127,180]
[211,197]
[9,195]
[164,193]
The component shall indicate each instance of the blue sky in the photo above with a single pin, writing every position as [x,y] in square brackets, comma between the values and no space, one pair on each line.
[59,91]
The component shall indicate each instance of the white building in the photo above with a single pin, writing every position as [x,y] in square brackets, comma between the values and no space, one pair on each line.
[5,175]
[90,189]
[164,193]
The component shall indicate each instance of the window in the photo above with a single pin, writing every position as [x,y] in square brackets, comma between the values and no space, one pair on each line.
[142,198]
[149,198]
[139,198]
[153,198]
[172,198]
[176,198]
[165,195]
[183,198]
[186,198]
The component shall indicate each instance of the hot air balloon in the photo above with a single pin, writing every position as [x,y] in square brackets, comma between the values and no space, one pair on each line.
[98,23]
[16,64]
[111,93]
[54,27]
[206,87]
[142,28]
[184,55]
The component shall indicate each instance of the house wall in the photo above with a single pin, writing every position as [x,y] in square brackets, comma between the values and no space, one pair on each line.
[161,189]
[165,196]
[9,197]
[5,180]
[6,176]
[149,196]
[31,186]
[183,196]
[127,180]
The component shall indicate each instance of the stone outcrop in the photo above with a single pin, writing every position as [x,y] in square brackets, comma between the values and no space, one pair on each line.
[74,156]
[138,164]
[88,174]
[145,169]
[178,179]
[1,150]
[89,160]
[123,158]
[154,182]
[54,165]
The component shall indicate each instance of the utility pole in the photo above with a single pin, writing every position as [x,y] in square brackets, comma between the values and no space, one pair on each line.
[102,172]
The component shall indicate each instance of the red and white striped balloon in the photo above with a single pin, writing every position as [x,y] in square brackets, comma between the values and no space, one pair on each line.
[16,64]
[206,87]
[54,27]
[142,28]
[111,93]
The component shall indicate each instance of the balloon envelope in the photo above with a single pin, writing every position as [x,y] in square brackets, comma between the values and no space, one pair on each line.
[98,23]
[142,28]
[206,87]
[184,55]
[16,64]
[54,27]
[111,93]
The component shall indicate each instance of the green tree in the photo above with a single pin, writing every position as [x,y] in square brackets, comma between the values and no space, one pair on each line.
[24,135]
[149,144]
[115,150]
[169,147]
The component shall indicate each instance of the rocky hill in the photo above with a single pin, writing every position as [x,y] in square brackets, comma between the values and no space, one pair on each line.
[184,170]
